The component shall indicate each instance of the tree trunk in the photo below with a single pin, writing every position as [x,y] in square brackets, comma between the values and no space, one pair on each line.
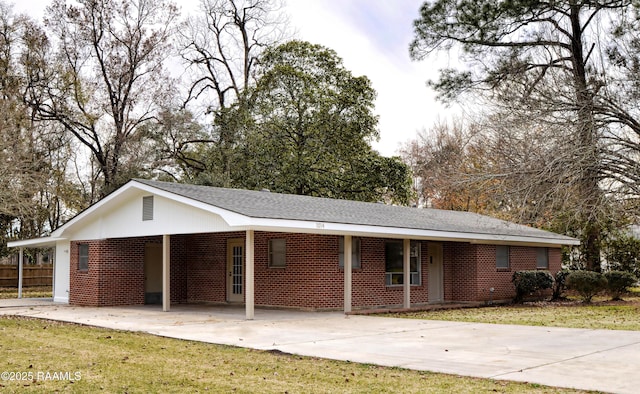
[587,155]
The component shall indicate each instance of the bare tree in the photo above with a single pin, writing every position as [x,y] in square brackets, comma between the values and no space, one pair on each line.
[444,161]
[508,166]
[106,77]
[221,46]
[36,194]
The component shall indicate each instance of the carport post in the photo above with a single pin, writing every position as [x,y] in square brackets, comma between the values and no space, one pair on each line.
[406,268]
[166,273]
[348,264]
[250,290]
[20,268]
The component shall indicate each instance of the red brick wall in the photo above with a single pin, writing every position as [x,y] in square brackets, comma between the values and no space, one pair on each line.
[206,262]
[460,271]
[555,260]
[84,285]
[179,269]
[116,272]
[473,281]
[311,279]
[469,281]
[520,259]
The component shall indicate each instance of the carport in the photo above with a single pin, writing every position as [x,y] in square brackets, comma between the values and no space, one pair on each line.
[46,242]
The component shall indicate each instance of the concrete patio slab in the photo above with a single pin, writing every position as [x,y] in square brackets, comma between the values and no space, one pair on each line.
[602,360]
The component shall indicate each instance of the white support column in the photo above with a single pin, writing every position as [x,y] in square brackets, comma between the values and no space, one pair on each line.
[20,268]
[406,282]
[348,269]
[166,273]
[249,294]
[53,273]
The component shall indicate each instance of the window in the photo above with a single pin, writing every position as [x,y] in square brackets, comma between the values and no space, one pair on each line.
[502,257]
[83,257]
[542,258]
[277,253]
[147,208]
[394,263]
[355,252]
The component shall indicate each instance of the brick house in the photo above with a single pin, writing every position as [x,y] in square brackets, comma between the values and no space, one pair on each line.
[157,242]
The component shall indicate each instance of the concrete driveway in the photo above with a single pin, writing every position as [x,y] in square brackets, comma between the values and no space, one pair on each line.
[601,360]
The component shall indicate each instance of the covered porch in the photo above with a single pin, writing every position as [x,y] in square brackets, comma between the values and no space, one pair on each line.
[220,268]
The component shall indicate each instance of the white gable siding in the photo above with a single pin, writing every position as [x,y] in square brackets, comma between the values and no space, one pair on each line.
[124,219]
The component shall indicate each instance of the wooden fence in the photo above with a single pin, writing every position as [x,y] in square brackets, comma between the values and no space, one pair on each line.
[38,275]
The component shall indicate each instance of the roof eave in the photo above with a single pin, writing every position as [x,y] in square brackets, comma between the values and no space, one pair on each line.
[35,242]
[283,225]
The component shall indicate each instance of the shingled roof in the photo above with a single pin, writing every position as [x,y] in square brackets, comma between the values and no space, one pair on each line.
[268,205]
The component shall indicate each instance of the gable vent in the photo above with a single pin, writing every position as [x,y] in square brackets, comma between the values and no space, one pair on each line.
[147,208]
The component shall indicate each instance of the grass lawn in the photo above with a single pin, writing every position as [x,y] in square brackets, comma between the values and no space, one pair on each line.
[600,314]
[126,362]
[27,292]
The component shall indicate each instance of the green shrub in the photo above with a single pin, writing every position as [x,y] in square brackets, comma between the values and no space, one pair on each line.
[622,253]
[618,282]
[586,283]
[560,284]
[529,282]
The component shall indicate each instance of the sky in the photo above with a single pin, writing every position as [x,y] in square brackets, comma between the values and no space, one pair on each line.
[372,37]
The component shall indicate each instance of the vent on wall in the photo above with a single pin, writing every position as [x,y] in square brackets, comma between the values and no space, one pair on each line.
[147,208]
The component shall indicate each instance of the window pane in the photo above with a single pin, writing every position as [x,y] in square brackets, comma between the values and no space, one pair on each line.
[542,258]
[502,256]
[393,256]
[83,256]
[414,261]
[277,253]
[394,262]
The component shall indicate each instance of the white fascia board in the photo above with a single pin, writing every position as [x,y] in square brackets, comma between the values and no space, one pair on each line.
[87,212]
[232,218]
[282,225]
[34,243]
